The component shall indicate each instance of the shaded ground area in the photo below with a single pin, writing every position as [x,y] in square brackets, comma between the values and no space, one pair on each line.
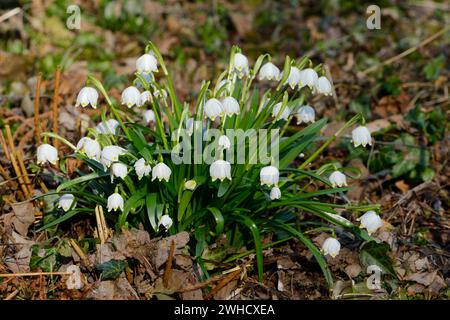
[396,76]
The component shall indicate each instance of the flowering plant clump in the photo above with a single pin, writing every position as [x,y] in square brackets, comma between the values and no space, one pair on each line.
[224,166]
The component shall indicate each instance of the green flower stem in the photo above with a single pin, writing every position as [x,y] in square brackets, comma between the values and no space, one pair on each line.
[56,136]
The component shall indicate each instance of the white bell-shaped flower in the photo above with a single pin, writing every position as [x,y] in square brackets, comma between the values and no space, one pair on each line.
[331,246]
[361,136]
[87,96]
[118,170]
[160,93]
[275,193]
[371,221]
[324,87]
[147,63]
[144,98]
[276,110]
[308,77]
[90,147]
[269,176]
[108,127]
[306,114]
[337,178]
[166,221]
[148,78]
[142,169]
[269,71]
[66,201]
[190,185]
[47,153]
[294,77]
[161,172]
[230,106]
[115,201]
[111,154]
[222,87]
[131,96]
[224,142]
[213,108]
[220,169]
[240,64]
[149,116]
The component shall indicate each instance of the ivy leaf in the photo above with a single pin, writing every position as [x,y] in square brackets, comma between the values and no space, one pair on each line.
[373,253]
[111,269]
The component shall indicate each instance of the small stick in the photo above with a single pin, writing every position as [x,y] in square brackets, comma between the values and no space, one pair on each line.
[37,126]
[10,139]
[43,186]
[168,270]
[24,172]
[4,173]
[12,294]
[55,106]
[19,176]
[223,283]
[34,274]
[79,252]
[3,144]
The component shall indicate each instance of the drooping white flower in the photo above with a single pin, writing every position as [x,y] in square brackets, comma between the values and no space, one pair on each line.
[142,169]
[220,169]
[222,87]
[331,246]
[269,71]
[144,98]
[306,114]
[115,201]
[371,221]
[276,110]
[166,221]
[149,116]
[324,87]
[190,184]
[275,193]
[240,64]
[230,106]
[119,170]
[308,77]
[47,153]
[161,172]
[147,63]
[361,136]
[90,147]
[148,78]
[160,93]
[87,96]
[111,154]
[294,77]
[269,176]
[108,127]
[65,202]
[213,108]
[131,96]
[224,142]
[337,178]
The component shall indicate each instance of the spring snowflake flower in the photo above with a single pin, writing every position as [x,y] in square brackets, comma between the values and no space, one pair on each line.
[148,78]
[371,221]
[161,172]
[108,127]
[146,63]
[269,71]
[222,86]
[308,77]
[276,110]
[361,136]
[90,147]
[230,106]
[87,96]
[337,178]
[275,193]
[160,93]
[220,169]
[131,96]
[294,77]
[166,221]
[213,109]
[190,185]
[142,169]
[66,201]
[111,154]
[115,201]
[306,114]
[119,170]
[240,64]
[47,153]
[269,176]
[323,86]
[224,142]
[144,98]
[149,116]
[331,246]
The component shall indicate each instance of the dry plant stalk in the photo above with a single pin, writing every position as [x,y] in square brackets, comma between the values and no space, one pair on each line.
[4,146]
[102,228]
[168,270]
[19,176]
[79,252]
[55,106]
[24,172]
[34,274]
[223,283]
[37,97]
